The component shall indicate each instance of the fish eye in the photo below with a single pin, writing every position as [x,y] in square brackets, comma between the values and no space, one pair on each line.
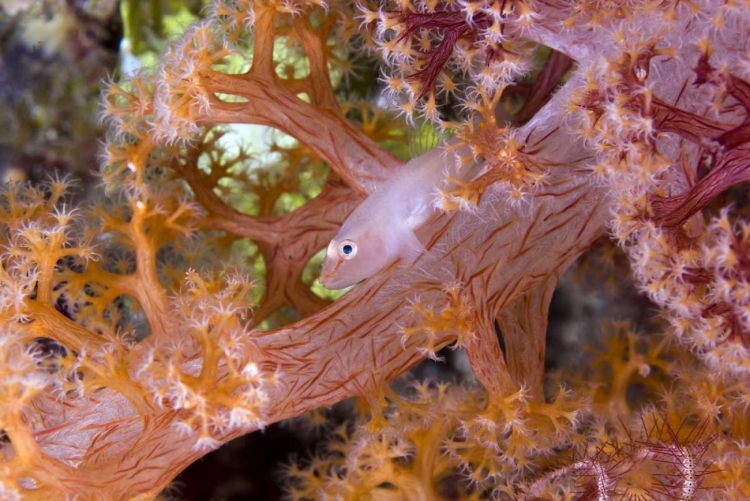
[347,249]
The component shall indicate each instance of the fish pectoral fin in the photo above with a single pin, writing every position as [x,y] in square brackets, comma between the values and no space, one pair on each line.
[410,246]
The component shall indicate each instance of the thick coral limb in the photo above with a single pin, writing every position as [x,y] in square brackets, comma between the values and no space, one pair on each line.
[726,146]
[523,326]
[673,212]
[319,85]
[50,323]
[360,162]
[488,363]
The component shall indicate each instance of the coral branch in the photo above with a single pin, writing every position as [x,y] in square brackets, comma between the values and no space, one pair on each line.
[356,158]
[507,263]
[524,329]
[673,212]
[117,375]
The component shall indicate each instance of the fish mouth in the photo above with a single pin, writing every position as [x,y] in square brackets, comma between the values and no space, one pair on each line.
[327,277]
[329,282]
[328,273]
[325,280]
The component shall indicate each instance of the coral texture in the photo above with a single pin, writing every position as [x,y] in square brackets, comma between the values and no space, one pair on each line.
[134,331]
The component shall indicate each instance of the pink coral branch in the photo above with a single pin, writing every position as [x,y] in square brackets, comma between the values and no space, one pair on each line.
[497,262]
[356,158]
[734,168]
[524,326]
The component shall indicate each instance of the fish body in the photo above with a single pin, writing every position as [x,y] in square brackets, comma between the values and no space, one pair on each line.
[381,229]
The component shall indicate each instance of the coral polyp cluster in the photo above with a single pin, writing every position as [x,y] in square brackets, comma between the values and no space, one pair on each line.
[176,311]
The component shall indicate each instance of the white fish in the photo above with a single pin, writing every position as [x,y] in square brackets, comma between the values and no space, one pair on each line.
[381,230]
